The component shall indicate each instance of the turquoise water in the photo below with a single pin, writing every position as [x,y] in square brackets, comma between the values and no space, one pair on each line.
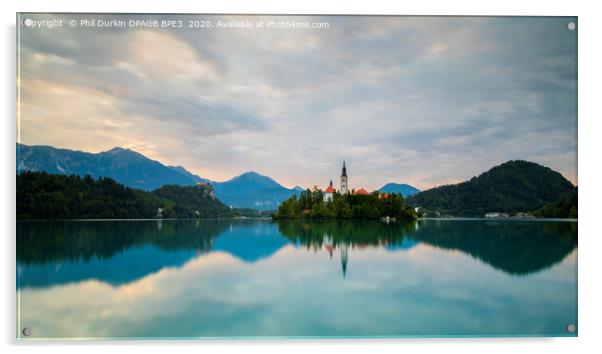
[247,278]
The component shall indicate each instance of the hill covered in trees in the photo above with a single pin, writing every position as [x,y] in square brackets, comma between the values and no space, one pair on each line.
[566,207]
[46,196]
[310,205]
[514,186]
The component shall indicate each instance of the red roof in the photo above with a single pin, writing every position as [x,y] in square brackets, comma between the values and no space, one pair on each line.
[329,189]
[361,191]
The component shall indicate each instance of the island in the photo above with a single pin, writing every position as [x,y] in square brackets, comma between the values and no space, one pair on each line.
[345,204]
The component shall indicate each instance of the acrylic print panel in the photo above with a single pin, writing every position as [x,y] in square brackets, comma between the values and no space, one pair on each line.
[228,176]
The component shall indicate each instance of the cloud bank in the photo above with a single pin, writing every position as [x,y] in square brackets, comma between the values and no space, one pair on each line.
[418,100]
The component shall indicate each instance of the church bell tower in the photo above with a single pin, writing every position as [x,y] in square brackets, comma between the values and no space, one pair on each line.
[344,185]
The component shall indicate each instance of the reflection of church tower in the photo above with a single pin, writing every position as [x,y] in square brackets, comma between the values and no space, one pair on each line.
[327,241]
[344,258]
[344,189]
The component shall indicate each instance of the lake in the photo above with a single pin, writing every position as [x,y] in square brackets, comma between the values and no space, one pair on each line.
[242,278]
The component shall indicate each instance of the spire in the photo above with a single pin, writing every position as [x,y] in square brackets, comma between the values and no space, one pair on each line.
[344,174]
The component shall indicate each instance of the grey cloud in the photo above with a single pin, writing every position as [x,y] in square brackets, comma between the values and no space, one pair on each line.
[411,98]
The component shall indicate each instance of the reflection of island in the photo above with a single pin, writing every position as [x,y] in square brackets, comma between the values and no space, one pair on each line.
[119,252]
[342,235]
[515,247]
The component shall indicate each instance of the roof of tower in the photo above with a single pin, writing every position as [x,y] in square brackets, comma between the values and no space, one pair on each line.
[344,174]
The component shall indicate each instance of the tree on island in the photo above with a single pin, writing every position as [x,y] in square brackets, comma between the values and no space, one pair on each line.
[310,205]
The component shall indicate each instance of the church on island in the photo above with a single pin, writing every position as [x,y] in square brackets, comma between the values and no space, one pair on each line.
[329,191]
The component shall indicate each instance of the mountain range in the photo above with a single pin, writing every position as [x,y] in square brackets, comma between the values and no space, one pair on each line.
[123,165]
[248,190]
[511,187]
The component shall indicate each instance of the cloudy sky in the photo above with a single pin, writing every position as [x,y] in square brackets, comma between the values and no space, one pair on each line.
[418,100]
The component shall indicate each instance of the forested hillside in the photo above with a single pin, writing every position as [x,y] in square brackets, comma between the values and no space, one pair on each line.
[514,186]
[46,196]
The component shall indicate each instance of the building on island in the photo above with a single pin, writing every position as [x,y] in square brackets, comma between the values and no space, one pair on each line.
[361,191]
[344,184]
[328,192]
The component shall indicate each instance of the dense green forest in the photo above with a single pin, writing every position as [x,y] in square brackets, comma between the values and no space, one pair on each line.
[46,196]
[514,186]
[566,207]
[192,201]
[310,205]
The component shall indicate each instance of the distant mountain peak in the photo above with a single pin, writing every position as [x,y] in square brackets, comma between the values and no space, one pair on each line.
[252,190]
[123,165]
[253,176]
[248,190]
[401,188]
[124,151]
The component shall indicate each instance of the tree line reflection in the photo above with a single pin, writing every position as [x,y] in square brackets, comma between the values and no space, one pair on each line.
[514,247]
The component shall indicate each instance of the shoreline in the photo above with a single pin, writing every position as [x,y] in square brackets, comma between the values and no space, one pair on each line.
[511,219]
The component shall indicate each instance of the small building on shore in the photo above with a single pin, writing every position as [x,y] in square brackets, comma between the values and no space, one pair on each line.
[496,214]
[328,193]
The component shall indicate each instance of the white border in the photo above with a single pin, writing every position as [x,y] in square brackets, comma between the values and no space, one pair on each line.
[590,176]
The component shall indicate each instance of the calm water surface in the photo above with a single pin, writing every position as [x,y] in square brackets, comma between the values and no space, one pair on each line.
[236,278]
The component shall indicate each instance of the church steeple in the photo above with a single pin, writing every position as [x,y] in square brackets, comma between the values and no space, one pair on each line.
[344,185]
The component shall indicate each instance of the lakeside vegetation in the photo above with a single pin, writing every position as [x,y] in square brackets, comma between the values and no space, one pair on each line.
[566,207]
[512,187]
[311,205]
[41,195]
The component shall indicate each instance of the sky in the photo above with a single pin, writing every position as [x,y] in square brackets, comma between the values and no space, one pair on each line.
[419,100]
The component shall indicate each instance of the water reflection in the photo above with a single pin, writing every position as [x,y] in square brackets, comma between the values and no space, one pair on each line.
[262,278]
[515,247]
[118,252]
